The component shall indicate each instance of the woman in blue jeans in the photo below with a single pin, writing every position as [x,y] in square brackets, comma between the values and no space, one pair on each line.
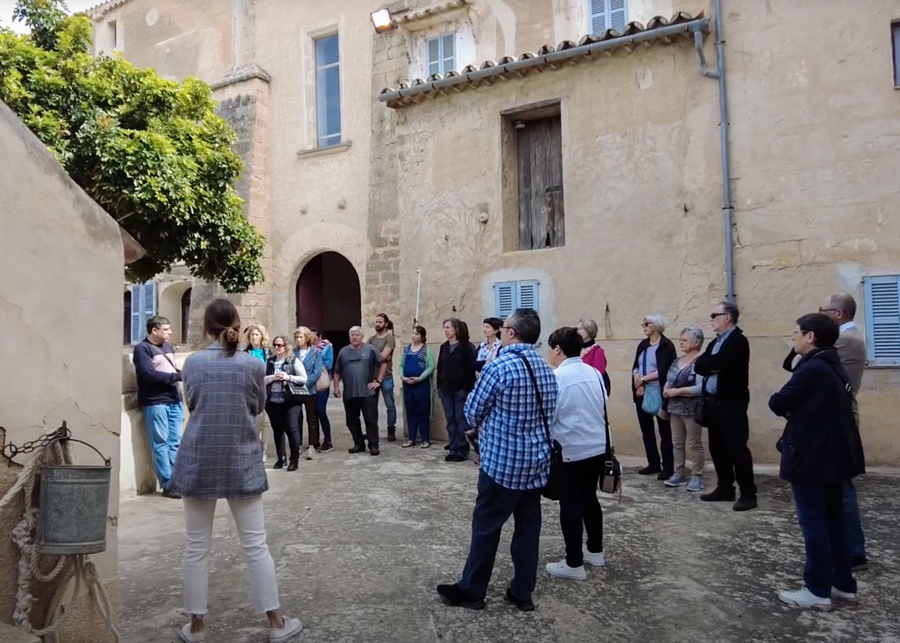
[417,367]
[322,396]
[455,380]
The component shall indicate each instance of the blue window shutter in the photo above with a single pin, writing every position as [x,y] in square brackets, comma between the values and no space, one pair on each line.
[149,300]
[137,316]
[434,56]
[618,15]
[504,299]
[882,295]
[527,295]
[448,53]
[598,17]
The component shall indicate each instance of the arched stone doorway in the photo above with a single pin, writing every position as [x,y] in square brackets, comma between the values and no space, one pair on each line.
[329,297]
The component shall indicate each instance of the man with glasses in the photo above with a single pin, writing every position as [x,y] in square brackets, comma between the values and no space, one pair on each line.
[510,407]
[851,348]
[726,365]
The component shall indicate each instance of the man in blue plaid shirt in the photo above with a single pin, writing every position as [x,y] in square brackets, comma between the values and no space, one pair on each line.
[515,463]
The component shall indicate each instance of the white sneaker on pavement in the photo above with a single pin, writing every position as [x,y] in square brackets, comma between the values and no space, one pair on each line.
[561,570]
[291,630]
[847,597]
[806,599]
[311,453]
[594,560]
[188,637]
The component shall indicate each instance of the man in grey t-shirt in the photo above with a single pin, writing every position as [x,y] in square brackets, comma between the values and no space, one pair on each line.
[362,369]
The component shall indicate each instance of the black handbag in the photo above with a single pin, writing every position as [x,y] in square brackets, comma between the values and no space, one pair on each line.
[611,478]
[553,490]
[704,406]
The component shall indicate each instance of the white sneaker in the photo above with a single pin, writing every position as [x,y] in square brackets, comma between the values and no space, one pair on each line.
[311,453]
[594,560]
[806,599]
[188,637]
[561,570]
[291,630]
[847,597]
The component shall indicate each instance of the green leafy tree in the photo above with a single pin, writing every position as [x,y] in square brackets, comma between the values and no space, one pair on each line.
[152,152]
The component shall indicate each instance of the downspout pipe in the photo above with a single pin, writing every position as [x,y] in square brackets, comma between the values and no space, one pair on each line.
[727,205]
[692,26]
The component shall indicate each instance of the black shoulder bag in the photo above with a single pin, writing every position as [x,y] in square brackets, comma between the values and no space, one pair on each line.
[611,478]
[553,489]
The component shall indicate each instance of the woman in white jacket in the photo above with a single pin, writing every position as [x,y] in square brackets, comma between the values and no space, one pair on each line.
[579,425]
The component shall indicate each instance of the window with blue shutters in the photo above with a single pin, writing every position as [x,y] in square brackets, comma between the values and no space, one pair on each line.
[441,54]
[608,14]
[882,296]
[143,307]
[511,295]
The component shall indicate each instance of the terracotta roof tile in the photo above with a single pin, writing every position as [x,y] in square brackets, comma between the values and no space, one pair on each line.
[428,12]
[100,10]
[631,29]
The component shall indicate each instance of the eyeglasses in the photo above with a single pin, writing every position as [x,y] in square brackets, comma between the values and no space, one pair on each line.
[645,324]
[714,315]
[506,328]
[825,311]
[278,345]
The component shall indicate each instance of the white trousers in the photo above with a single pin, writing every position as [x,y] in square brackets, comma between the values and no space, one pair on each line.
[248,516]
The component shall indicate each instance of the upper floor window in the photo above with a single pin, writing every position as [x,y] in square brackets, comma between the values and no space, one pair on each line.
[883,320]
[441,54]
[608,14]
[895,46]
[328,91]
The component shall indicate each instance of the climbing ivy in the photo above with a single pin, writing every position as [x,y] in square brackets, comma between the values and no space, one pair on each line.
[152,152]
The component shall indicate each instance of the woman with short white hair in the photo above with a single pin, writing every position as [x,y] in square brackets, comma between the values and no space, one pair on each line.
[652,360]
[682,391]
[591,353]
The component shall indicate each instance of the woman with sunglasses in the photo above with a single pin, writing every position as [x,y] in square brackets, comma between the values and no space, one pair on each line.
[652,361]
[285,378]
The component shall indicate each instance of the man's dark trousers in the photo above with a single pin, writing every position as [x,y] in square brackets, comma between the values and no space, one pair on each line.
[493,508]
[368,407]
[729,432]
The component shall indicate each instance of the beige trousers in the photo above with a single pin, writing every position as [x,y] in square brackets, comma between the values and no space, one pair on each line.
[264,431]
[684,428]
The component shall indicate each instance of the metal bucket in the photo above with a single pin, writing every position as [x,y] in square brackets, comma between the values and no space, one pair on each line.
[73,509]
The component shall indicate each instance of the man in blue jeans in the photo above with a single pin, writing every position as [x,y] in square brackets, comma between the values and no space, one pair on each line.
[511,407]
[385,343]
[158,395]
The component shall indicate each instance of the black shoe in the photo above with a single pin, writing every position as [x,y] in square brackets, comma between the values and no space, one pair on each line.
[454,457]
[357,449]
[453,596]
[170,493]
[279,465]
[374,451]
[392,436]
[719,495]
[859,563]
[446,447]
[326,447]
[292,466]
[649,471]
[524,606]
[663,475]
[745,503]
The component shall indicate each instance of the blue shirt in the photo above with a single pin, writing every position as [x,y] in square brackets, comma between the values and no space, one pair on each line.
[713,380]
[512,440]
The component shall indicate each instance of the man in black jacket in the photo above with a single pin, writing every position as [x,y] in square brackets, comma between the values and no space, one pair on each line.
[820,451]
[726,365]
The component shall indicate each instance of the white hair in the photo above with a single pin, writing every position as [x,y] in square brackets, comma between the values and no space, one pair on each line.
[356,329]
[657,320]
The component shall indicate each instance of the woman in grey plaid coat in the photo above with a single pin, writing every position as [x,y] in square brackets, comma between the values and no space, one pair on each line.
[220,457]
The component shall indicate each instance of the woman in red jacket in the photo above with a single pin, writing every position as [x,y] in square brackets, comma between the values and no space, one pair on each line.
[592,354]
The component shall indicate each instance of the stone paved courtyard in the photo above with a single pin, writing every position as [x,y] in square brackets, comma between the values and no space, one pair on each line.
[360,543]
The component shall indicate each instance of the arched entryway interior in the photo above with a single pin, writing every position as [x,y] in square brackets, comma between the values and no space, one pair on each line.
[185,314]
[329,297]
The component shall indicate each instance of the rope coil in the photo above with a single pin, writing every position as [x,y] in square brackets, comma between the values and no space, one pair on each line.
[73,569]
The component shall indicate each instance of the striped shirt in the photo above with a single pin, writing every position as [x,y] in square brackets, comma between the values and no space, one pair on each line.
[512,440]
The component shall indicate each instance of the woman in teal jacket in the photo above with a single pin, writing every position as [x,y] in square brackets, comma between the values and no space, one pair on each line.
[417,366]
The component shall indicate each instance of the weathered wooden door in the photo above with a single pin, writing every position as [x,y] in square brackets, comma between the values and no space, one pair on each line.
[541,212]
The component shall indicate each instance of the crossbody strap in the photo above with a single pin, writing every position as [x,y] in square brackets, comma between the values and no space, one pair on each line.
[609,447]
[537,393]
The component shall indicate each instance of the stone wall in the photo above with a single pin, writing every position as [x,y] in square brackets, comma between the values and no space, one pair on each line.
[62,261]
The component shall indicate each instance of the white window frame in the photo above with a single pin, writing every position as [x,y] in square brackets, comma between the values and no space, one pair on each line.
[442,58]
[609,7]
[331,140]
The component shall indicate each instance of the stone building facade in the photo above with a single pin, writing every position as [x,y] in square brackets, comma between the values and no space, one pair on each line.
[626,217]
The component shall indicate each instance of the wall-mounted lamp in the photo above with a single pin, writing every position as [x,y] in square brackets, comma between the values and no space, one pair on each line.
[382,20]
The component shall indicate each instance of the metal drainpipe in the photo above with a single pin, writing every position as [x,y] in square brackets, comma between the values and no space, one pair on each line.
[727,207]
